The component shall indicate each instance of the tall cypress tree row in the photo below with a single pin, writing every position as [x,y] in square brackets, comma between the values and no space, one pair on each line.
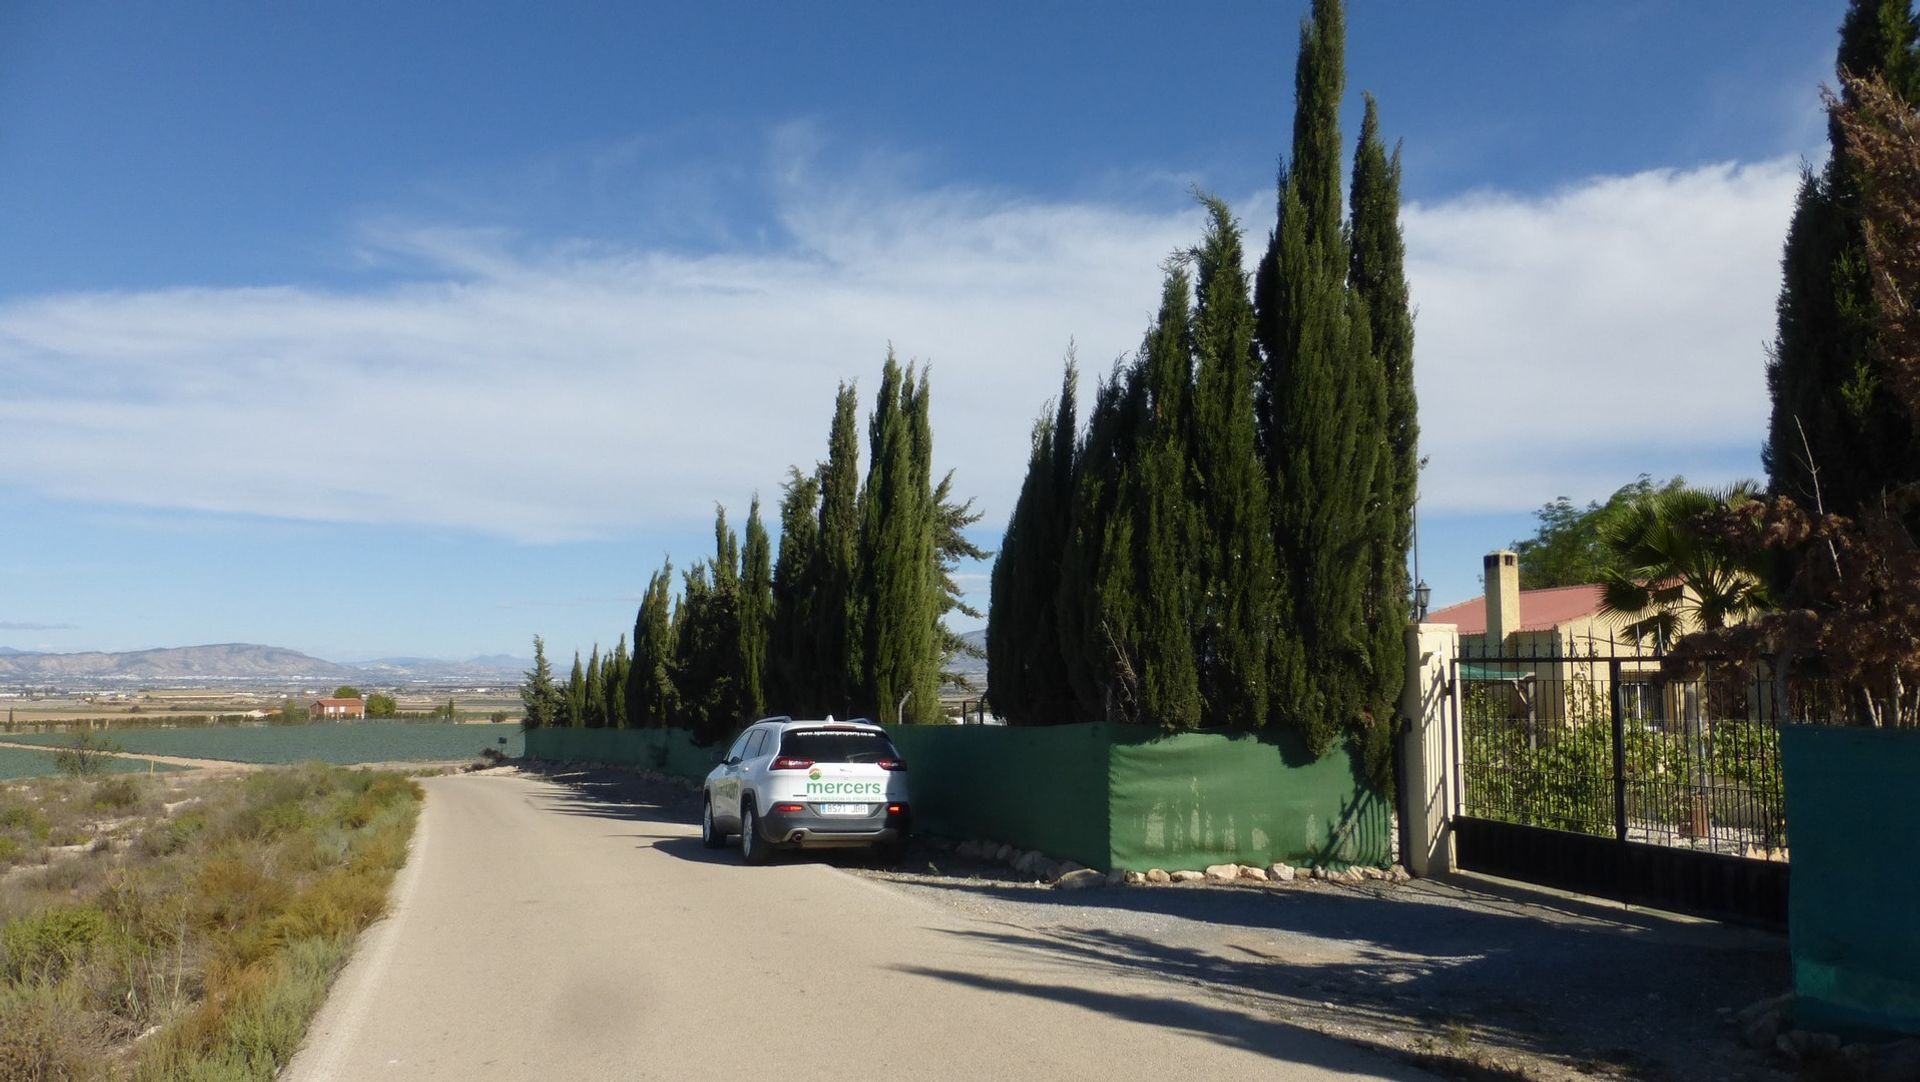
[651,698]
[1834,427]
[756,612]
[1235,563]
[542,703]
[896,598]
[793,655]
[1026,663]
[837,630]
[1324,407]
[1166,531]
[1378,275]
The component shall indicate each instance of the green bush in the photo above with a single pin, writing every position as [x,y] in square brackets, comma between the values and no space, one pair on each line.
[47,943]
[86,757]
[117,794]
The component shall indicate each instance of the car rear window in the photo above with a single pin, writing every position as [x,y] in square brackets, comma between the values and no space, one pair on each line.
[841,746]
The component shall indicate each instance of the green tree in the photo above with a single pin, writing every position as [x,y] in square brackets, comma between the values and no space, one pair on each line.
[1377,273]
[1324,408]
[1166,530]
[541,701]
[346,691]
[381,705]
[1233,629]
[951,518]
[1837,438]
[756,612]
[1026,663]
[652,699]
[897,596]
[576,695]
[615,694]
[594,715]
[837,630]
[793,684]
[1671,572]
[1097,603]
[1566,549]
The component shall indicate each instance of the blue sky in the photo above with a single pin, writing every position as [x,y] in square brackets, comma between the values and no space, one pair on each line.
[374,329]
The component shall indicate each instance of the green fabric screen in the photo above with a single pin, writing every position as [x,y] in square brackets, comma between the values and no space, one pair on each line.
[1852,806]
[1042,788]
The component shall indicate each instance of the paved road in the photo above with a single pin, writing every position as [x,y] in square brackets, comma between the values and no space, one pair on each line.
[539,934]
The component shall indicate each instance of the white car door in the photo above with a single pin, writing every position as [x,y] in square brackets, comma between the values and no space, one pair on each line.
[726,783]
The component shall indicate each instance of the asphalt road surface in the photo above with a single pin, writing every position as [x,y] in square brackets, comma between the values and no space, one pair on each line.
[538,933]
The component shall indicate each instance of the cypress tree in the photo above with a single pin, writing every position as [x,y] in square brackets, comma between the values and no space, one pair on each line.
[1235,562]
[541,702]
[1096,605]
[1378,274]
[793,654]
[651,698]
[594,715]
[577,695]
[616,689]
[1166,531]
[756,613]
[1834,427]
[1026,663]
[1324,408]
[896,597]
[836,630]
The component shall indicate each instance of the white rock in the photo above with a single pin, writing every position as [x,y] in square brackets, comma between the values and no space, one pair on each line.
[1158,875]
[1280,872]
[1134,879]
[1221,873]
[1247,871]
[1079,879]
[1118,877]
[1187,875]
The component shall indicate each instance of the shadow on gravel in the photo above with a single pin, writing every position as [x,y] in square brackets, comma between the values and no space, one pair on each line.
[1279,1039]
[1635,1001]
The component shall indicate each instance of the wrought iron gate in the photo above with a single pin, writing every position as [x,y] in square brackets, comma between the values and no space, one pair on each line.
[1598,772]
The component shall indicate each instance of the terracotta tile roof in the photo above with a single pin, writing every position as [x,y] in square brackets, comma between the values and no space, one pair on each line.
[339,702]
[1540,610]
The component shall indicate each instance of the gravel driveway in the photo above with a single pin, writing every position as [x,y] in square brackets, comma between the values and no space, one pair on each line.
[1473,977]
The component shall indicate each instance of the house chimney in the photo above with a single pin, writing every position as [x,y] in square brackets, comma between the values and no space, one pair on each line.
[1503,596]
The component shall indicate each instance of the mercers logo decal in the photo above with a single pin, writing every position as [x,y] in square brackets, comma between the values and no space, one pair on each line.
[814,774]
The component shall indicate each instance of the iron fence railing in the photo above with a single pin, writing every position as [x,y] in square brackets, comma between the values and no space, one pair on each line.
[1607,743]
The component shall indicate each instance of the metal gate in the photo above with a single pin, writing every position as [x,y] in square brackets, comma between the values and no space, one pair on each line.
[1597,771]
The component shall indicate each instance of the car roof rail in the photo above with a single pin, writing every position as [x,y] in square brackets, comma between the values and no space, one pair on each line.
[775,717]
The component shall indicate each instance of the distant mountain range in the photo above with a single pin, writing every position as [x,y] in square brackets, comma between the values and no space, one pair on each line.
[246,663]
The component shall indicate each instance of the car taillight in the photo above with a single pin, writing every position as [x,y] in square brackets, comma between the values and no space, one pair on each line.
[789,809]
[896,809]
[893,764]
[784,763]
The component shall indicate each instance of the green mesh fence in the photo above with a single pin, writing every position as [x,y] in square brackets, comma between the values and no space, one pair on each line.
[1852,804]
[1187,800]
[1107,796]
[1042,788]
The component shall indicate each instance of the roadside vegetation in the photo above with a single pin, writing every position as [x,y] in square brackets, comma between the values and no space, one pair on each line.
[167,928]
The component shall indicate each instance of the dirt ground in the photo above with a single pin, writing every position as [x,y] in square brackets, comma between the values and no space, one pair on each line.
[1471,977]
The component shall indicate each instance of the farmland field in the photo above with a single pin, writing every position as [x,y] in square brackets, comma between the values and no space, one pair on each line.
[18,763]
[340,744]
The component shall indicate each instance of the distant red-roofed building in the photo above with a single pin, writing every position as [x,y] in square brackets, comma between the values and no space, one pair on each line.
[338,709]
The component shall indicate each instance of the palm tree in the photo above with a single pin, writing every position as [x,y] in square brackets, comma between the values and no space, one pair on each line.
[1672,572]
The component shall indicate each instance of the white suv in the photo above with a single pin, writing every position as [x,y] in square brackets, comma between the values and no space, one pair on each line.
[787,784]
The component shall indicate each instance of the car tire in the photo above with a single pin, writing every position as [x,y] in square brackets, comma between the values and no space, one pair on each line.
[753,848]
[710,836]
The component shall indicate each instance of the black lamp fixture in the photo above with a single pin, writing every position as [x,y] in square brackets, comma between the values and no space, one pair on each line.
[1421,595]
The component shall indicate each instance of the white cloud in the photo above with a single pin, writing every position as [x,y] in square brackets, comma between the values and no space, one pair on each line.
[550,392]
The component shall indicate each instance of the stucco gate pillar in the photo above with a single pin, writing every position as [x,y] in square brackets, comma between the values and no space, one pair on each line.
[1429,750]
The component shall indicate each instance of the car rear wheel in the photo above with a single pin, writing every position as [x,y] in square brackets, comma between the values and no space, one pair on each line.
[710,836]
[753,849]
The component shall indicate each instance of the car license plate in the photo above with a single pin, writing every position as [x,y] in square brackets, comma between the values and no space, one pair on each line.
[843,809]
